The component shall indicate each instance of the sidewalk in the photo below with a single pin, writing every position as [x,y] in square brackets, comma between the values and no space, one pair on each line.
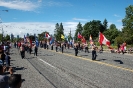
[31,77]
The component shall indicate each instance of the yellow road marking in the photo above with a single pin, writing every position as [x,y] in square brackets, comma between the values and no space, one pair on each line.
[103,63]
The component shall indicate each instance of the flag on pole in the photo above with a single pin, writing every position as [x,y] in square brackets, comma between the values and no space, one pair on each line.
[25,39]
[79,36]
[47,35]
[103,40]
[83,40]
[62,36]
[52,40]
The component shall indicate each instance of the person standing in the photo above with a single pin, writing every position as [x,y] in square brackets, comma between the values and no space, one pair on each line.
[52,46]
[22,51]
[3,57]
[94,55]
[62,47]
[76,50]
[86,48]
[30,49]
[56,46]
[7,58]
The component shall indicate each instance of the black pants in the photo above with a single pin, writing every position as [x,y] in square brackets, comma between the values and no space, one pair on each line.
[86,49]
[52,47]
[35,53]
[62,48]
[94,55]
[22,54]
[56,48]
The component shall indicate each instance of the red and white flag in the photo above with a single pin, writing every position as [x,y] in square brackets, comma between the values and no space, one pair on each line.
[83,40]
[103,40]
[79,36]
[47,35]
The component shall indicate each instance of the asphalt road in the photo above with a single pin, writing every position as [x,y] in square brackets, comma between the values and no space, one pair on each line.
[64,70]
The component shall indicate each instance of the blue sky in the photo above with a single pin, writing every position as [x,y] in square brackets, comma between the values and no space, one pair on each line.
[36,16]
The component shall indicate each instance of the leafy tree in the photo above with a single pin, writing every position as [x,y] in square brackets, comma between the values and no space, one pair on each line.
[79,29]
[92,28]
[41,36]
[7,37]
[128,25]
[112,33]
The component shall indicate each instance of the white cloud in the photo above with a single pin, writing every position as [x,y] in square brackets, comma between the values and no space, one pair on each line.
[19,5]
[53,3]
[22,28]
[79,19]
[119,20]
[116,15]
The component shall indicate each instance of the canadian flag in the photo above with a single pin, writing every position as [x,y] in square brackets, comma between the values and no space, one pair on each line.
[79,36]
[47,35]
[103,40]
[83,40]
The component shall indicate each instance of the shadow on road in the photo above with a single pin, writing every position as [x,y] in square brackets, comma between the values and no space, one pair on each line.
[101,59]
[119,61]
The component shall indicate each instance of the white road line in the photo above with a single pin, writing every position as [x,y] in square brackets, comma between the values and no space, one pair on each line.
[47,63]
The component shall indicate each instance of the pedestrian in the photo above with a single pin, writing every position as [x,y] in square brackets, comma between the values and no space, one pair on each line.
[76,50]
[56,46]
[86,48]
[62,47]
[7,59]
[22,51]
[3,57]
[94,55]
[30,49]
[52,46]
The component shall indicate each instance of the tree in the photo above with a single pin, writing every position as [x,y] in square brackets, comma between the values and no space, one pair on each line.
[112,33]
[58,31]
[92,28]
[7,38]
[79,29]
[128,25]
[105,24]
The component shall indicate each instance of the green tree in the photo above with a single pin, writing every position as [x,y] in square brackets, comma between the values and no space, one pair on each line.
[111,33]
[105,24]
[128,25]
[92,28]
[58,31]
[79,29]
[7,38]
[69,36]
[42,36]
[57,26]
